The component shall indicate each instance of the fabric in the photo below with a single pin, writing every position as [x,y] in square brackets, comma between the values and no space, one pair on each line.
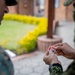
[68,2]
[6,66]
[57,70]
[74,15]
[10,2]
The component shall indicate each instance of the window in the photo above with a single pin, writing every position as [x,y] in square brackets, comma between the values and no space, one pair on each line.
[57,3]
[37,2]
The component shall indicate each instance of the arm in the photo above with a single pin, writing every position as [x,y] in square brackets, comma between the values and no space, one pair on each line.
[65,50]
[55,69]
[6,65]
[51,59]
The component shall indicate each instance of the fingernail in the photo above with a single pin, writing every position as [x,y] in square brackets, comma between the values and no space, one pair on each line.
[55,47]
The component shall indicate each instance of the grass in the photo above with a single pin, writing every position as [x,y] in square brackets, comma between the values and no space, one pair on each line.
[12,31]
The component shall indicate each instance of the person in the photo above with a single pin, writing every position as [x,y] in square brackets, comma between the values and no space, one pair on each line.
[64,49]
[51,59]
[6,66]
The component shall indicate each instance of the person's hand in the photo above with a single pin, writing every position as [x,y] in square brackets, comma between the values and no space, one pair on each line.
[50,58]
[65,50]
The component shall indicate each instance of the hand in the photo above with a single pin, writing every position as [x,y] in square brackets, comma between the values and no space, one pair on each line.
[65,50]
[50,58]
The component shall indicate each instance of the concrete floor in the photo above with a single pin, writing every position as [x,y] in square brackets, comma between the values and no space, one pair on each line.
[34,65]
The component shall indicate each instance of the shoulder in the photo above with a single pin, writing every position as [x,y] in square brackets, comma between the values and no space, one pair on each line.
[6,65]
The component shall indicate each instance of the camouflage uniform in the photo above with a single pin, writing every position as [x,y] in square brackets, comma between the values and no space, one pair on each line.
[6,66]
[56,69]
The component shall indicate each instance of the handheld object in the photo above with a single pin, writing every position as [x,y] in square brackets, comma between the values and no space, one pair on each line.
[51,49]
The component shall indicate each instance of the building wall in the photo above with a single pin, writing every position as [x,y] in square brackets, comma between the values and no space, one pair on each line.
[46,8]
[69,13]
[36,7]
[59,12]
[62,13]
[13,9]
[26,7]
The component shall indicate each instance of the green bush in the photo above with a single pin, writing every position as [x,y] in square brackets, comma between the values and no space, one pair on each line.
[28,43]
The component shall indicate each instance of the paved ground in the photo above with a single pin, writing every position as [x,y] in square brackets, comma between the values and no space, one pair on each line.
[31,66]
[66,31]
[34,65]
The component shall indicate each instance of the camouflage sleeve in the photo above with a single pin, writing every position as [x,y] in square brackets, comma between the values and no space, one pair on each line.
[70,70]
[55,69]
[68,2]
[6,66]
[74,15]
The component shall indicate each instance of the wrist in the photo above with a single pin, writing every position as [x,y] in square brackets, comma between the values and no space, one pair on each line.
[73,54]
[56,67]
[55,61]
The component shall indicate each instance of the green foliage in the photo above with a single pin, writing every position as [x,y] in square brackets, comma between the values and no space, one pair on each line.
[28,43]
[11,32]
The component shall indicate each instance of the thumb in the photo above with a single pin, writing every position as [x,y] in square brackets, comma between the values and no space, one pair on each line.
[47,52]
[59,50]
[58,47]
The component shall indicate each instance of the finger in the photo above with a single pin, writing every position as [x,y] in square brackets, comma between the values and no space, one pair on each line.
[51,49]
[60,48]
[59,53]
[47,52]
[59,44]
[45,59]
[46,55]
[47,63]
[51,54]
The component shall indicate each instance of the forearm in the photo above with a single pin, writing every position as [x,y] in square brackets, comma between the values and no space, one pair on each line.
[73,54]
[55,69]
